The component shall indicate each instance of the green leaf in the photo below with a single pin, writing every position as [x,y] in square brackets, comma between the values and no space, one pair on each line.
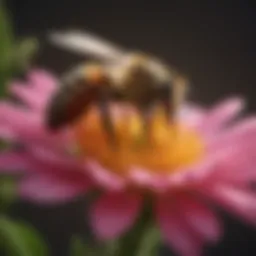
[4,145]
[149,245]
[79,247]
[23,54]
[6,35]
[21,239]
[7,192]
[6,46]
[112,248]
[14,56]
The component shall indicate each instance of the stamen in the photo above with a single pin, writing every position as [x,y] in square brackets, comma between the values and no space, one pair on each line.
[167,149]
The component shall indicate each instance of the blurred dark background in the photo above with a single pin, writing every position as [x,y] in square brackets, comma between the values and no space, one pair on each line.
[213,42]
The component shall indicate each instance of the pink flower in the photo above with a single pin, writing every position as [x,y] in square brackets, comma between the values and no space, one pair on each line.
[209,162]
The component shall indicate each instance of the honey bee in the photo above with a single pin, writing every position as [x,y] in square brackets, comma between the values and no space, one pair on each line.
[118,76]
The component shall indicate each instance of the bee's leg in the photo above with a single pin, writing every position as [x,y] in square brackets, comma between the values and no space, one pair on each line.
[107,121]
[172,97]
[166,100]
[146,114]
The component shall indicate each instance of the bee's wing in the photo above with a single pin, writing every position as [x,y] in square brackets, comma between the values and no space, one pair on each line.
[86,43]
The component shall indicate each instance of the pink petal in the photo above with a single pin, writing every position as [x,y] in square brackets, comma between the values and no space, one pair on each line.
[162,183]
[45,161]
[46,189]
[239,202]
[33,98]
[244,131]
[197,173]
[142,177]
[6,133]
[104,177]
[54,159]
[114,213]
[13,163]
[175,231]
[202,220]
[61,166]
[43,81]
[28,126]
[238,166]
[221,115]
[184,177]
[12,115]
[192,115]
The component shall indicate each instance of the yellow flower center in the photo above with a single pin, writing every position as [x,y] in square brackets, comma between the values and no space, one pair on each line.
[166,149]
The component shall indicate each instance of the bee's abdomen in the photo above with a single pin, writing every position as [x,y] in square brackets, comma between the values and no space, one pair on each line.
[70,102]
[56,116]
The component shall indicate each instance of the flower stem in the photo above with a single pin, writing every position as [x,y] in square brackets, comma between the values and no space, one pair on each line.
[142,240]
